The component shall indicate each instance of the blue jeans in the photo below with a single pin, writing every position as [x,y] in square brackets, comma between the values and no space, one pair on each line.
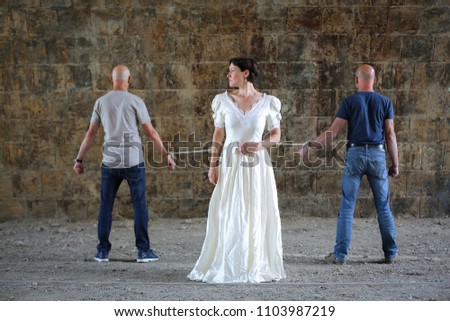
[111,180]
[372,163]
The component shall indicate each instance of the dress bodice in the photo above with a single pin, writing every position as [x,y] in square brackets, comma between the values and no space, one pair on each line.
[246,127]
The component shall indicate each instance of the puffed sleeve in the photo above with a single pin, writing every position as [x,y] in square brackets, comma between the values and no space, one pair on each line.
[216,105]
[274,117]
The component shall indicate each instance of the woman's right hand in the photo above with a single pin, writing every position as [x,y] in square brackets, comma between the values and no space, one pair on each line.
[213,174]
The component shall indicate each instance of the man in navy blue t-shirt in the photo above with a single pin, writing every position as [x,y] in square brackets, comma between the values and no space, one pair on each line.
[369,118]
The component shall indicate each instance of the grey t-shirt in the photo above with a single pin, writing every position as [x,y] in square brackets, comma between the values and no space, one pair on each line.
[121,113]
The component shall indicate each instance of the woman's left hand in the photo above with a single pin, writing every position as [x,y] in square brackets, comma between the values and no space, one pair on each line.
[249,147]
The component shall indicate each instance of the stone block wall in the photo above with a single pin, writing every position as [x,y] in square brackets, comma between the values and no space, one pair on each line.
[56,57]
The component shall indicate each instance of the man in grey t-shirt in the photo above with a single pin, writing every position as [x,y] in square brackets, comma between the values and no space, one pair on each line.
[121,113]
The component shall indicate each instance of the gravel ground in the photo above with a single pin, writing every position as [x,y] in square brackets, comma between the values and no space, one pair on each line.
[45,259]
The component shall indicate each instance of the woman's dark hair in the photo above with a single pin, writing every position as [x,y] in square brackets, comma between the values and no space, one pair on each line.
[246,63]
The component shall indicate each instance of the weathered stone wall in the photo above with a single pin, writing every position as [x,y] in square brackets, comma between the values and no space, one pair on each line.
[56,56]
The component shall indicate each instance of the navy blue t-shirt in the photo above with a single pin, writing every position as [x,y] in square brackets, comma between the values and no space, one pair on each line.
[366,112]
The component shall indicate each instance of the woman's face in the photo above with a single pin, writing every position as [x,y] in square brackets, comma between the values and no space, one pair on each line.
[235,76]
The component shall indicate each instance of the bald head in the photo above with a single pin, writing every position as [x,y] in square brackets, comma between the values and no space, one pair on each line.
[365,73]
[121,72]
[365,78]
[120,77]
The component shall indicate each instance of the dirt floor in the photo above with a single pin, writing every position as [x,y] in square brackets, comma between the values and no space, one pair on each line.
[53,260]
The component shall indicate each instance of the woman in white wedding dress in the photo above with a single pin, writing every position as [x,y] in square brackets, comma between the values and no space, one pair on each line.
[243,233]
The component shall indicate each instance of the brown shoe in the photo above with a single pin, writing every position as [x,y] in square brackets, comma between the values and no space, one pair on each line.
[332,259]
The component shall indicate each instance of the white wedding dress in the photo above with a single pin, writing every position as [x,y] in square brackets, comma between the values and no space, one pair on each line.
[243,234]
